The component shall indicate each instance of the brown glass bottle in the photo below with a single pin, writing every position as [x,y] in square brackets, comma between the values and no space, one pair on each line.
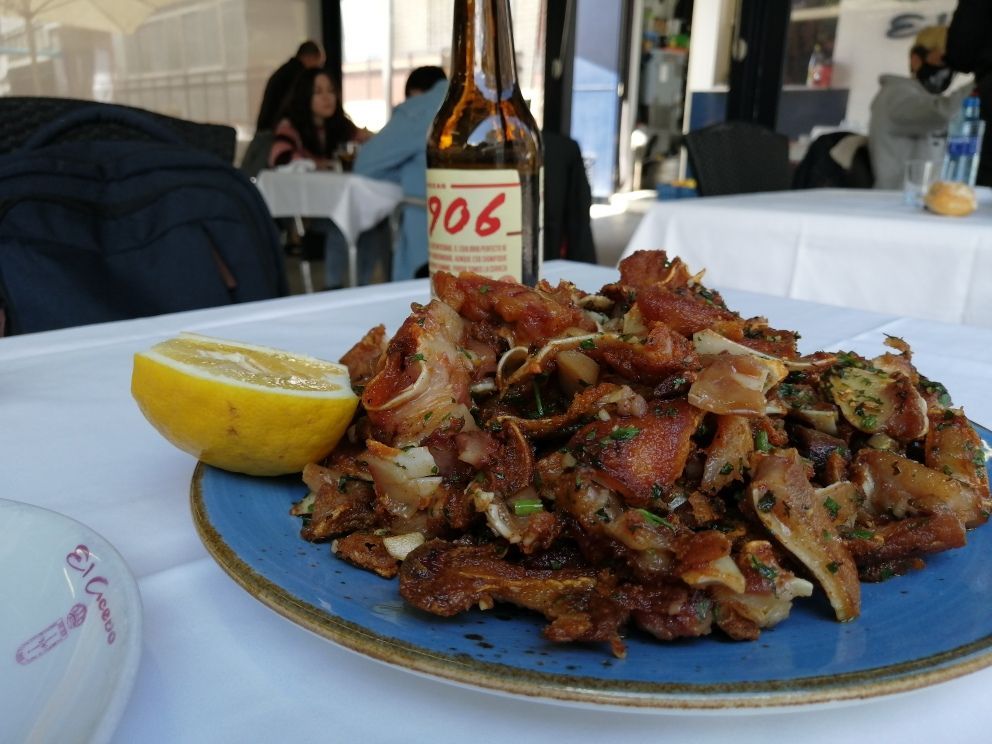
[484,161]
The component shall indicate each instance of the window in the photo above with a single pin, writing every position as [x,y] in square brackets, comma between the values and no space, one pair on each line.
[378,57]
[205,60]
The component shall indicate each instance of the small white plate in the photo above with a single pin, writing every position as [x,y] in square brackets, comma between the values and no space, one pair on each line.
[70,629]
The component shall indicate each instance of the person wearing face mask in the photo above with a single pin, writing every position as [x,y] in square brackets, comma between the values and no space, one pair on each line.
[909,115]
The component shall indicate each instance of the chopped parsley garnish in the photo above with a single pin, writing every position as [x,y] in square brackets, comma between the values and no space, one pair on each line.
[623,433]
[761,442]
[833,567]
[832,507]
[763,569]
[587,343]
[526,507]
[655,519]
[727,469]
[766,502]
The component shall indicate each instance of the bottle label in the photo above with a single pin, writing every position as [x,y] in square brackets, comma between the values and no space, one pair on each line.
[475,222]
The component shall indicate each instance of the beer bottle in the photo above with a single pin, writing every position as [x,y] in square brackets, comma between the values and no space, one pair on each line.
[484,161]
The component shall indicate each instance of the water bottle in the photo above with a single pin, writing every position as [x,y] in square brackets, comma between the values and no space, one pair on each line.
[964,144]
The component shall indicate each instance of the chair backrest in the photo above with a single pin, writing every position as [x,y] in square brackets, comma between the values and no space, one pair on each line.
[738,157]
[256,157]
[94,231]
[21,117]
[567,198]
[835,160]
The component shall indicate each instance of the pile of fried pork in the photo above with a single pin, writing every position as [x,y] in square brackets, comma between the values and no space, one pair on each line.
[642,456]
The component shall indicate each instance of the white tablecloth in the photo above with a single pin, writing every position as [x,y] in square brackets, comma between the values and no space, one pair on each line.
[352,202]
[853,248]
[218,666]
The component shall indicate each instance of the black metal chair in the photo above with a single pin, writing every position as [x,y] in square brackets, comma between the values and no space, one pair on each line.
[21,117]
[738,157]
[835,160]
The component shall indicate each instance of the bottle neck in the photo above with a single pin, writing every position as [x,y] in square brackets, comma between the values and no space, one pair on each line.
[482,49]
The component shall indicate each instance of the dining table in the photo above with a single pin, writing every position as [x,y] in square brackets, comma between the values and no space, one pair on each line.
[856,248]
[218,665]
[353,202]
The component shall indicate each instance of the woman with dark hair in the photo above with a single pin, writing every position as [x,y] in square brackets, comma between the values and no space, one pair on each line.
[315,127]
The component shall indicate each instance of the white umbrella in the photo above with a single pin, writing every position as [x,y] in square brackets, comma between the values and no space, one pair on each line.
[112,16]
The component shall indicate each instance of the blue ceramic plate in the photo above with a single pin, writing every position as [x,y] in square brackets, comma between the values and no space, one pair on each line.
[914,630]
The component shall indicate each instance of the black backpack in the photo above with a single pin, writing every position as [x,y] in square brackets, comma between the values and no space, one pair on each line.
[94,231]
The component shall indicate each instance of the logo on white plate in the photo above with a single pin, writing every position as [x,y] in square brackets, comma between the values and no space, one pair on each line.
[41,643]
[82,560]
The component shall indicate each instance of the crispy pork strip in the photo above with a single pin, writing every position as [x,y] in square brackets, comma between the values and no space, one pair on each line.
[640,455]
[736,384]
[767,597]
[756,334]
[786,504]
[902,487]
[648,360]
[533,317]
[954,448]
[894,544]
[728,455]
[605,396]
[424,381]
[647,268]
[817,446]
[446,579]
[362,359]
[340,504]
[366,550]
[683,309]
[669,611]
[873,400]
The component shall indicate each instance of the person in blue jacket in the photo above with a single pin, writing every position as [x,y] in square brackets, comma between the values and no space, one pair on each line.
[398,153]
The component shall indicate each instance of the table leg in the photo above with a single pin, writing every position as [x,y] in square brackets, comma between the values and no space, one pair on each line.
[352,264]
[306,276]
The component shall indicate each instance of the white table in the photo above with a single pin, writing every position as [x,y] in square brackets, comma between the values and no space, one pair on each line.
[352,202]
[853,248]
[219,667]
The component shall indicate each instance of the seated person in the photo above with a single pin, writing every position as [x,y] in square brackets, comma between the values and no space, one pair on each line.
[398,153]
[909,115]
[278,88]
[314,128]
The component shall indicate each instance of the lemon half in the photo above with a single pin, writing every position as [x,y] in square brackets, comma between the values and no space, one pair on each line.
[248,409]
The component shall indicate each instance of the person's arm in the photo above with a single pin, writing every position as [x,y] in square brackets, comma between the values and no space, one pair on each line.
[285,145]
[385,153]
[919,113]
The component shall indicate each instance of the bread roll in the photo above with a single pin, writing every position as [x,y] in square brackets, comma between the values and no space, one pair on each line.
[950,198]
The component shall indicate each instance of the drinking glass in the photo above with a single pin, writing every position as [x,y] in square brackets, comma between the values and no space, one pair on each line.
[918,177]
